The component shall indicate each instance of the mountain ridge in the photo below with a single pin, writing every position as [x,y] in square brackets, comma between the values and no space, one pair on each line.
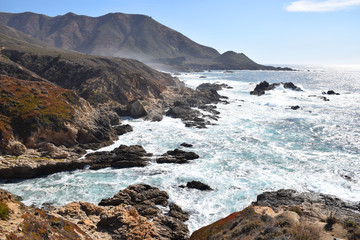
[125,35]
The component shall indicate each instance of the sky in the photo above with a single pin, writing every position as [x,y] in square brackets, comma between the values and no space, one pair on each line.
[267,31]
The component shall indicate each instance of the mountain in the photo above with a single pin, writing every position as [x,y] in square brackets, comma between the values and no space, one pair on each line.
[114,34]
[124,35]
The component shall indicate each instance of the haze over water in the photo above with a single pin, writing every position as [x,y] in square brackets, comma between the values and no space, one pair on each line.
[258,144]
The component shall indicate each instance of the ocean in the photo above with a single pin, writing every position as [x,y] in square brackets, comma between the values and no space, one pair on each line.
[258,144]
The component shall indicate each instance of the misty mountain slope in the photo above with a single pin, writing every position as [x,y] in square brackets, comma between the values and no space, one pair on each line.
[126,35]
[114,34]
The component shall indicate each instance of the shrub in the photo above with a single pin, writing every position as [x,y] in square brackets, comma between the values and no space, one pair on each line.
[305,232]
[330,221]
[351,224]
[297,209]
[4,211]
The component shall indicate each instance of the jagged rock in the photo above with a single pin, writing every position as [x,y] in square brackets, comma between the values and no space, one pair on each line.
[330,92]
[213,86]
[122,129]
[295,107]
[138,194]
[177,156]
[198,185]
[121,157]
[182,154]
[261,88]
[144,198]
[177,212]
[181,104]
[171,228]
[265,86]
[290,85]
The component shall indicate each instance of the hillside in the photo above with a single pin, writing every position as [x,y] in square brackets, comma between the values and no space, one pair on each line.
[97,79]
[125,35]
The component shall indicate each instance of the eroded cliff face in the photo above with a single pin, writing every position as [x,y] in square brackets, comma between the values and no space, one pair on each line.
[40,115]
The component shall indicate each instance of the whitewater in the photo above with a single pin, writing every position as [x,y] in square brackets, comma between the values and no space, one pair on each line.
[258,144]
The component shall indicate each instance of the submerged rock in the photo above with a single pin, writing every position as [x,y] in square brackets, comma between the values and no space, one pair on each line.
[187,145]
[177,156]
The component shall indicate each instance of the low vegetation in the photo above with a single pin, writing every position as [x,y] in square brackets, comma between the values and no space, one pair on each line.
[27,105]
[4,211]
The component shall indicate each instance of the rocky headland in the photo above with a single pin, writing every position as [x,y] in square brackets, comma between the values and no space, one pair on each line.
[55,104]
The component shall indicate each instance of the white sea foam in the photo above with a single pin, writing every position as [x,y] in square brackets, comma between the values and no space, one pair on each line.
[258,144]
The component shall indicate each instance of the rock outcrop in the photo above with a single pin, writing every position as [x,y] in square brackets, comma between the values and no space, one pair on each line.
[264,86]
[177,156]
[121,157]
[287,214]
[194,107]
[40,115]
[135,156]
[22,222]
[130,214]
[198,185]
[144,199]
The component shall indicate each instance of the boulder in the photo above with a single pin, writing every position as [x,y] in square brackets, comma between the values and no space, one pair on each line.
[136,109]
[122,129]
[198,185]
[330,92]
[295,107]
[187,145]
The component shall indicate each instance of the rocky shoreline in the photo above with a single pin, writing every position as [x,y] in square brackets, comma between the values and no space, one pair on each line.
[142,211]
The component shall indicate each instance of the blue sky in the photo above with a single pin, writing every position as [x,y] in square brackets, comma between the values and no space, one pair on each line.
[268,31]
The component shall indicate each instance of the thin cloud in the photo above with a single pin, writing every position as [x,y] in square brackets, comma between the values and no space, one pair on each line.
[321,6]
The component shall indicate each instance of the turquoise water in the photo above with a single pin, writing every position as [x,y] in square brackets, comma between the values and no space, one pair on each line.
[257,145]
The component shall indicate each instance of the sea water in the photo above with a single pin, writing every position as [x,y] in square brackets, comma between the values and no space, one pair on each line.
[258,144]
